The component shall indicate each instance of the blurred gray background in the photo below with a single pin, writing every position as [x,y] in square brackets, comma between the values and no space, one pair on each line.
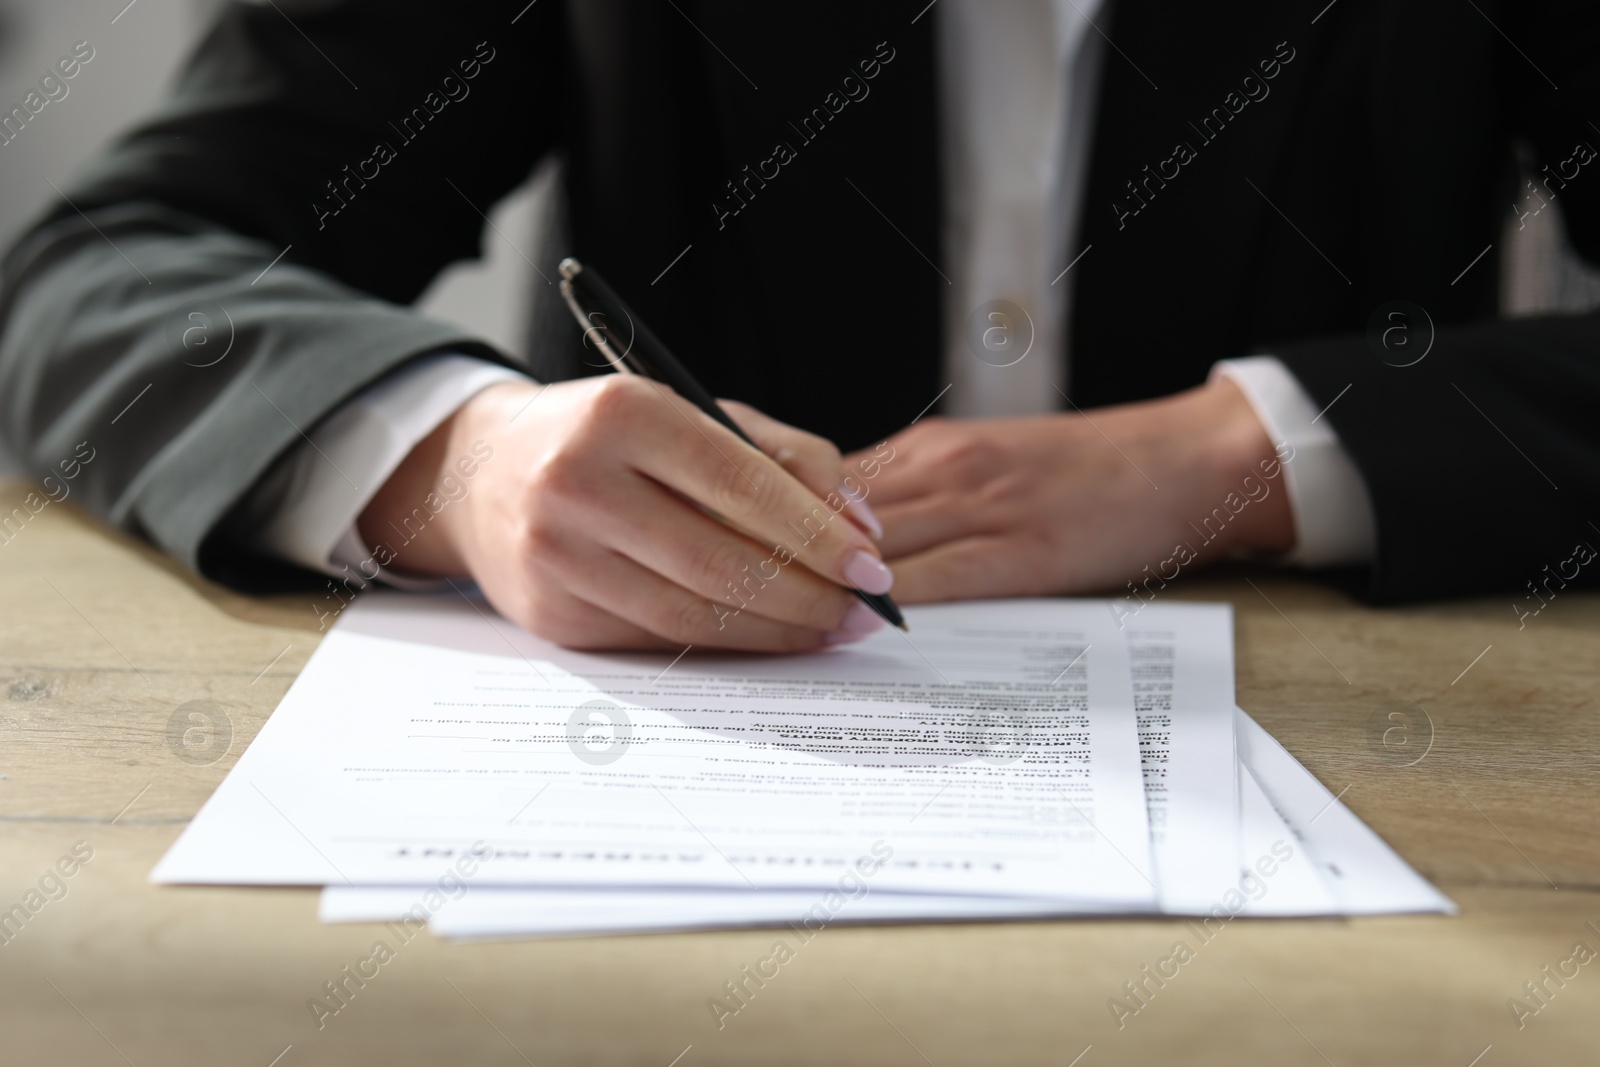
[138,45]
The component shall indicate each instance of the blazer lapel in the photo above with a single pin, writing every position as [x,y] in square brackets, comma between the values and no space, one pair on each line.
[1197,108]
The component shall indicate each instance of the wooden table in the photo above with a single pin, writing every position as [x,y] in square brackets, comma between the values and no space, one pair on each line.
[102,640]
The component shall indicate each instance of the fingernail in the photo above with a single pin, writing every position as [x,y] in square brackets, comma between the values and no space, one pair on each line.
[860,619]
[841,637]
[867,573]
[858,507]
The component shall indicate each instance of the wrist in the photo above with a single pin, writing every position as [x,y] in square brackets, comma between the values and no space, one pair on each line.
[394,515]
[1245,470]
[420,512]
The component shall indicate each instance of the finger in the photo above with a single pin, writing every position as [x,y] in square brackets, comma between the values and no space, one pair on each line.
[657,528]
[692,453]
[562,618]
[813,460]
[921,523]
[983,566]
[629,590]
[891,471]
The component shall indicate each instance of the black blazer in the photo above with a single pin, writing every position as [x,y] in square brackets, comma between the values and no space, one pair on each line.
[1265,177]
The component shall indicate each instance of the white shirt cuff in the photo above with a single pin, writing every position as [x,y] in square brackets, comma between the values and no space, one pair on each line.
[1332,512]
[327,481]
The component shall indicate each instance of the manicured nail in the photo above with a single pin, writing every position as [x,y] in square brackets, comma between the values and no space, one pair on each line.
[858,507]
[841,637]
[860,619]
[867,573]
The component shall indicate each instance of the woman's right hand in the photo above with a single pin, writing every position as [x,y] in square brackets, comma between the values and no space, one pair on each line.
[610,513]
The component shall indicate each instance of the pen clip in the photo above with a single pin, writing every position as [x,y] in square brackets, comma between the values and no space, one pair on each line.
[600,333]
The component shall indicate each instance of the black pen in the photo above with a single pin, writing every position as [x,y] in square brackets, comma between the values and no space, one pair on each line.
[598,308]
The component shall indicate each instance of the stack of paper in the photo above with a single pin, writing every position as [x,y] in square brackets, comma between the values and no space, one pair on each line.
[1025,758]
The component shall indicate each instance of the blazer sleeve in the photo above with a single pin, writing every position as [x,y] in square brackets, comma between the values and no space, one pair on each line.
[1483,457]
[233,270]
[1482,461]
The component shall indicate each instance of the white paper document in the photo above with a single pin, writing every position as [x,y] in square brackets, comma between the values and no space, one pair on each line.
[1280,871]
[992,750]
[435,764]
[1362,874]
[1181,663]
[461,909]
[1277,873]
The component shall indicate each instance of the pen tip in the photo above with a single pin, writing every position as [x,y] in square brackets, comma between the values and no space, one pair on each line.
[569,268]
[903,626]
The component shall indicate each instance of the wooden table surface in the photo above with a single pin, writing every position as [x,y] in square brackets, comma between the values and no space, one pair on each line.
[102,640]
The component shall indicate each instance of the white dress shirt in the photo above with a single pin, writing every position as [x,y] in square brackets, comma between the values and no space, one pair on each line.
[325,483]
[1018,81]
